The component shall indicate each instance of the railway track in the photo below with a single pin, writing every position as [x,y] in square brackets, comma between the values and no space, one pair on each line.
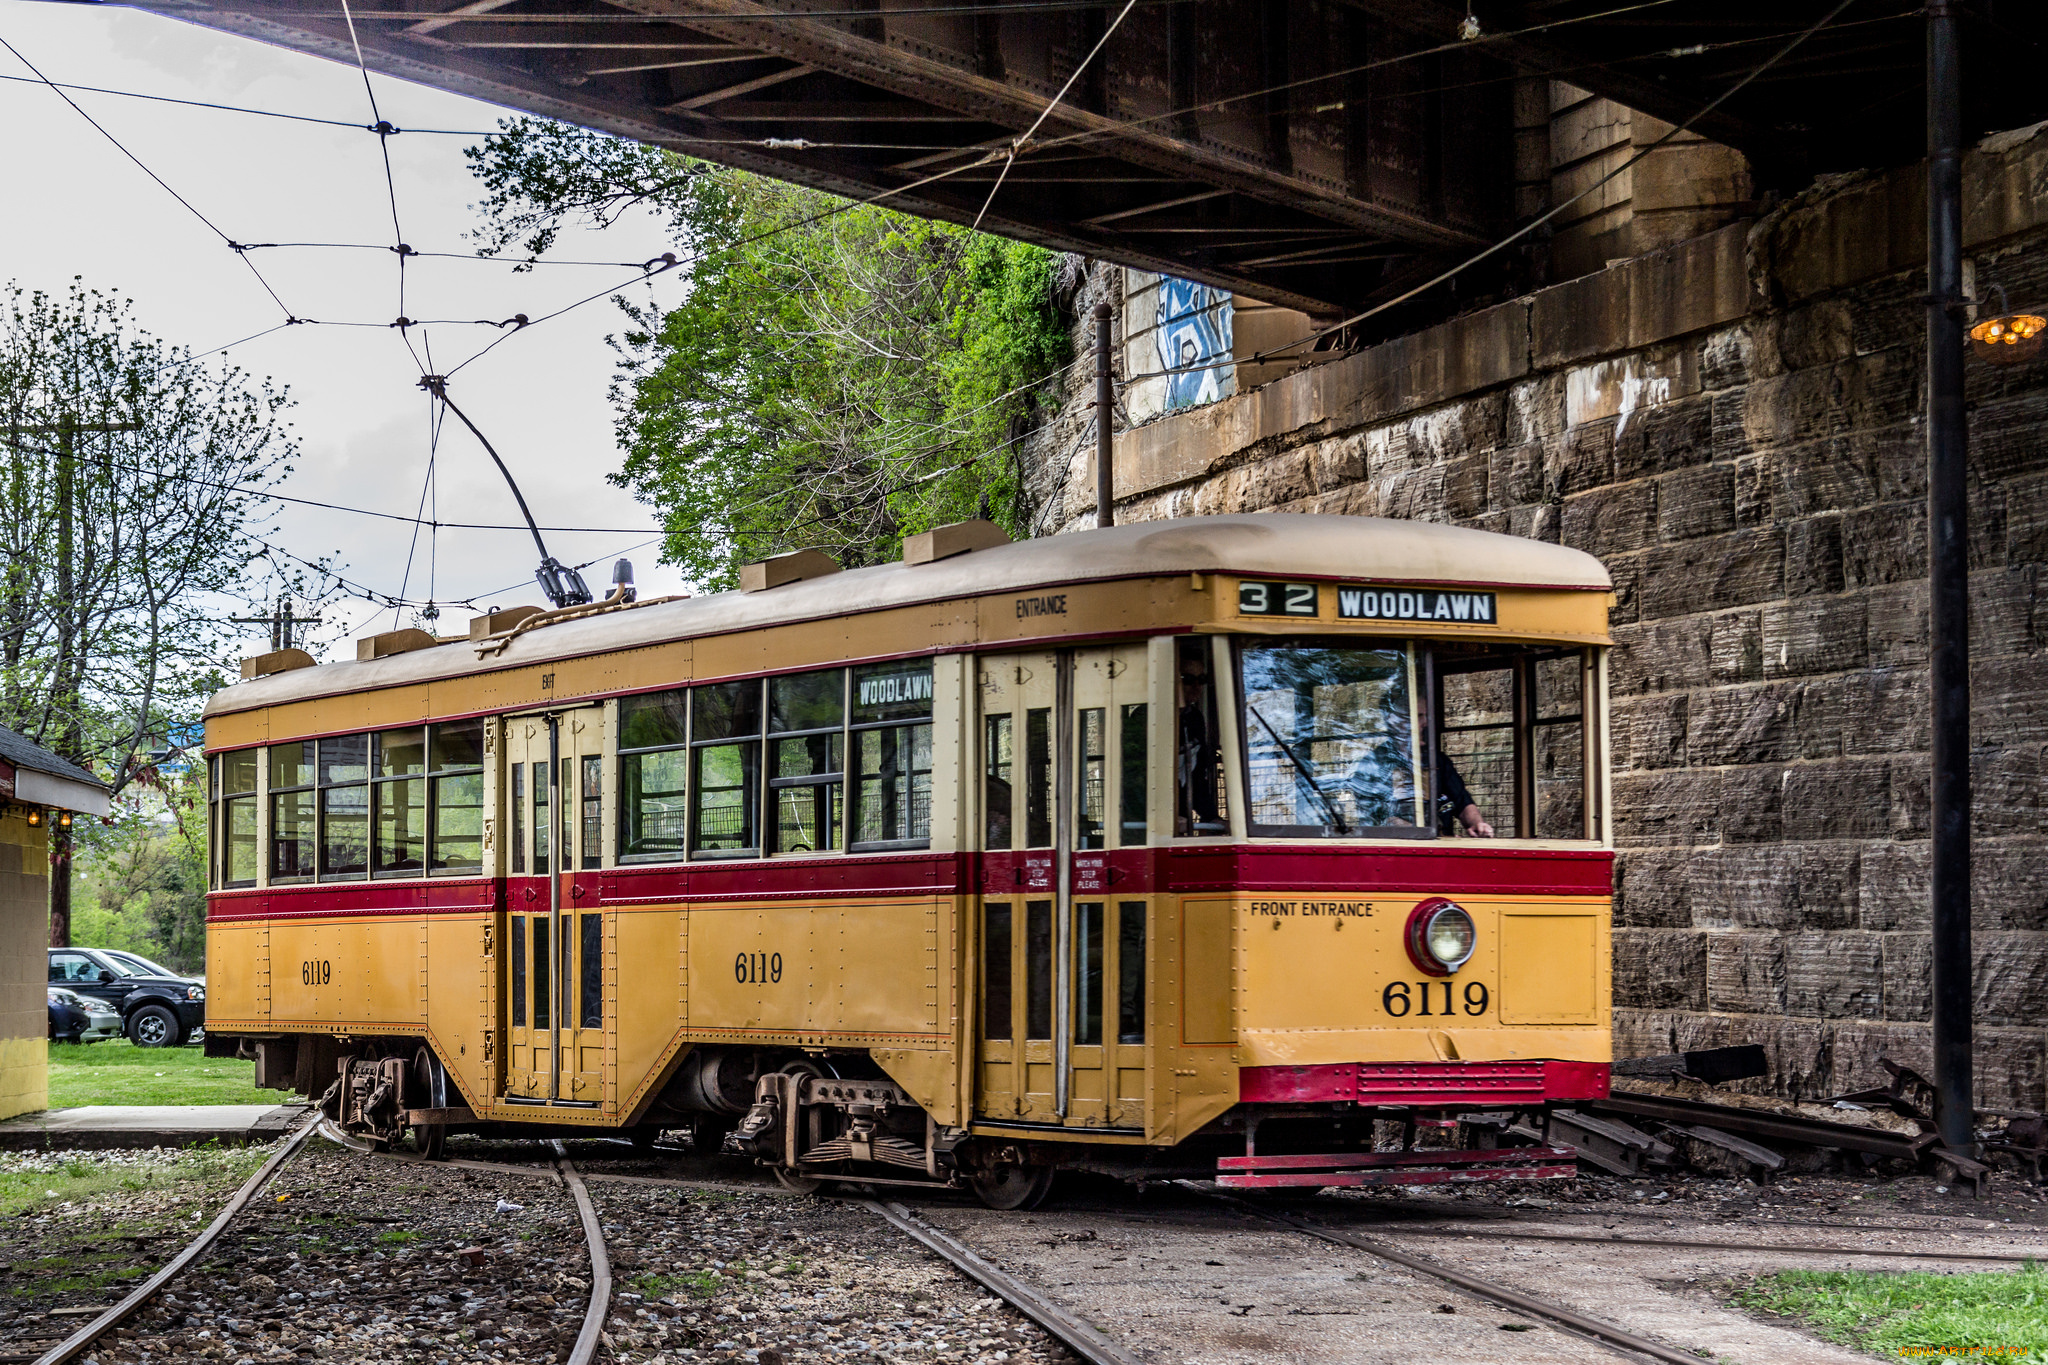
[93,1333]
[1090,1343]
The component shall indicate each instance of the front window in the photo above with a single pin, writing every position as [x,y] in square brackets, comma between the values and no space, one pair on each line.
[1329,732]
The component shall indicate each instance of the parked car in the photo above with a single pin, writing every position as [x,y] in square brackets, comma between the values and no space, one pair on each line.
[157,1008]
[75,1018]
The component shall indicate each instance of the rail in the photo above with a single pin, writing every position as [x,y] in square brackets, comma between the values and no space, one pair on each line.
[75,1345]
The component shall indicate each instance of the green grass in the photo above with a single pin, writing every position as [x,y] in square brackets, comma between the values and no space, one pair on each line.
[118,1072]
[2001,1315]
[86,1176]
[697,1283]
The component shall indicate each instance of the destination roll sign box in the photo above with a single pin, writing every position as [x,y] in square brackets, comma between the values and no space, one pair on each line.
[1370,603]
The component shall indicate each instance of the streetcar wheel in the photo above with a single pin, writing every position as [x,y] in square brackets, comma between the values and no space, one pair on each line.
[153,1026]
[430,1140]
[1013,1187]
[800,1184]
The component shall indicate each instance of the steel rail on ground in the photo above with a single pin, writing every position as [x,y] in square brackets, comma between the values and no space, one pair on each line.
[1076,1335]
[1605,1333]
[588,1340]
[75,1345]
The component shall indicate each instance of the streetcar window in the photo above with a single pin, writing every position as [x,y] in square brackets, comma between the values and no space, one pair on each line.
[725,736]
[1088,974]
[1200,808]
[590,961]
[398,801]
[1091,772]
[807,756]
[1130,972]
[518,971]
[344,769]
[995,971]
[540,819]
[517,806]
[1038,778]
[238,810]
[292,825]
[213,821]
[1329,735]
[591,852]
[998,761]
[1511,727]
[540,971]
[652,762]
[1132,762]
[891,735]
[457,795]
[1038,969]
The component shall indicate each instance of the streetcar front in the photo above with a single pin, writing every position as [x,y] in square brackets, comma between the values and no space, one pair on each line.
[1419,925]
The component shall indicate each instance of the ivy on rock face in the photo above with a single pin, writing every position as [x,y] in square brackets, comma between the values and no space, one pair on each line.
[836,376]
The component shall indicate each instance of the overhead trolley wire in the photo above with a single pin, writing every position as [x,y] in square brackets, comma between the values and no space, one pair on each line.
[1046,112]
[122,148]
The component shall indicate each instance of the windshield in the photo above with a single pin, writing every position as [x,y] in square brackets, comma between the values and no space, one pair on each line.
[113,963]
[1329,733]
[140,966]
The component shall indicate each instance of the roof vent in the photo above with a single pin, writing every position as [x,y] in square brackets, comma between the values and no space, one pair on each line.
[393,642]
[793,567]
[483,627]
[277,661]
[943,542]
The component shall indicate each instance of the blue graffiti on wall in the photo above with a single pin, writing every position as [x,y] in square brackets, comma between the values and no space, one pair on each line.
[1192,325]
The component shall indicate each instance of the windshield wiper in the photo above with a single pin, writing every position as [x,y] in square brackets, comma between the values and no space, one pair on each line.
[1313,785]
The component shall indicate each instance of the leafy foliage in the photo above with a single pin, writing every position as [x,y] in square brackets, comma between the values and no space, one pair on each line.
[131,488]
[142,879]
[838,375]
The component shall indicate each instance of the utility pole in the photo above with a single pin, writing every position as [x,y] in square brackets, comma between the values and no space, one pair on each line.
[1948,587]
[1105,408]
[69,680]
[280,622]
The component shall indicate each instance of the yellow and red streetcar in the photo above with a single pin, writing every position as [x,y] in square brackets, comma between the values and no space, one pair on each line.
[1187,847]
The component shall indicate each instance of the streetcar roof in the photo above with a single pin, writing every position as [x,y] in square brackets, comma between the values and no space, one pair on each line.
[1281,545]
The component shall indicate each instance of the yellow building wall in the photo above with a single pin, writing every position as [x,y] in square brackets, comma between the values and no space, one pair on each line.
[24,966]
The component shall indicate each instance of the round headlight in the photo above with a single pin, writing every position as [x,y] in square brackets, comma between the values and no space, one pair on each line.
[1441,937]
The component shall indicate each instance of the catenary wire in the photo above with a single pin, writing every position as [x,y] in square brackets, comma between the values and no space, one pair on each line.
[143,166]
[1046,112]
[248,491]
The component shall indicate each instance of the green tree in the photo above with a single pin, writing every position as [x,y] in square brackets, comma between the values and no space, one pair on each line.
[142,878]
[131,492]
[837,375]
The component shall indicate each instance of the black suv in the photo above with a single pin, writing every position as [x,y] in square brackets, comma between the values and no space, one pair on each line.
[157,1007]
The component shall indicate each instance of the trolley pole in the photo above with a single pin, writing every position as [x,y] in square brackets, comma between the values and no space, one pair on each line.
[1948,587]
[1105,409]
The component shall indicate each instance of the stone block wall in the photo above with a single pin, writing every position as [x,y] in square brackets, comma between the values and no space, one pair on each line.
[1732,425]
[24,964]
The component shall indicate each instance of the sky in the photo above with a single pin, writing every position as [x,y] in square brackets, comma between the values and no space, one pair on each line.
[76,206]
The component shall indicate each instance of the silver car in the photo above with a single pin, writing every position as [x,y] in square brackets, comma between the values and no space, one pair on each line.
[80,1018]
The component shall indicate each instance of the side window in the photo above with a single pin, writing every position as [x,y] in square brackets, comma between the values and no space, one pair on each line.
[590,799]
[293,823]
[807,761]
[399,803]
[516,803]
[71,967]
[1199,801]
[1133,768]
[653,760]
[456,798]
[540,818]
[344,776]
[238,817]
[725,769]
[1510,732]
[891,734]
[999,762]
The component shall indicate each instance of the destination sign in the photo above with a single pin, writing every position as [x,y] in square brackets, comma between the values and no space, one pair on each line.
[1416,604]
